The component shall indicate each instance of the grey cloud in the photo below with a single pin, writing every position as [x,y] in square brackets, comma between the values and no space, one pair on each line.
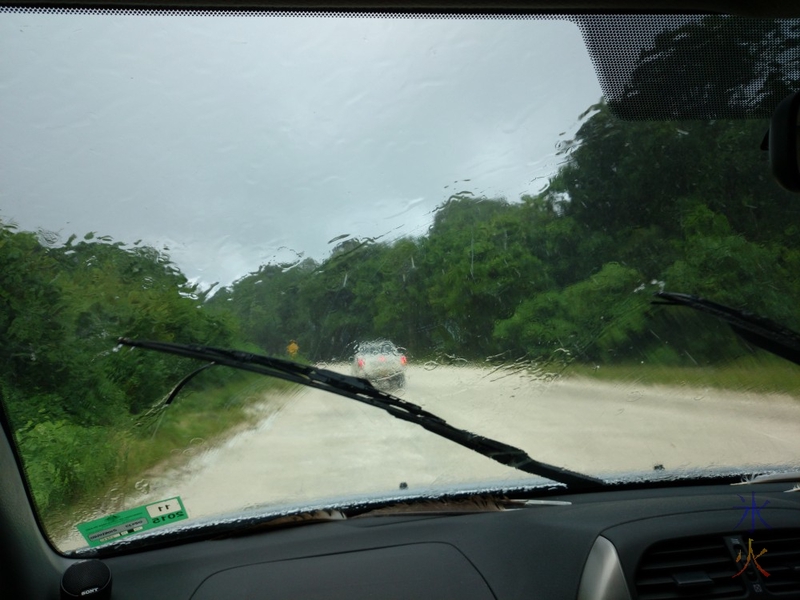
[237,139]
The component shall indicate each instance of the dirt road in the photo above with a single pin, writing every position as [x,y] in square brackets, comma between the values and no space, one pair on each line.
[312,444]
[317,444]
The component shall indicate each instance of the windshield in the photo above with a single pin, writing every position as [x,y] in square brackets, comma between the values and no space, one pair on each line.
[445,208]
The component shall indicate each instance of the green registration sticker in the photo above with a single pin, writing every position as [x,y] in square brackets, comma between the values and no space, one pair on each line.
[122,524]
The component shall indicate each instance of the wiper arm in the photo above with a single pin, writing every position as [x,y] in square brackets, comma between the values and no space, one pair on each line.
[759,331]
[361,390]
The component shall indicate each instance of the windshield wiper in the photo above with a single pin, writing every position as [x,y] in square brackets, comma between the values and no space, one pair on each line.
[759,331]
[361,390]
[786,477]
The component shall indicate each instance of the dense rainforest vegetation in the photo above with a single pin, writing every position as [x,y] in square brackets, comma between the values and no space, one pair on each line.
[636,207]
[573,268]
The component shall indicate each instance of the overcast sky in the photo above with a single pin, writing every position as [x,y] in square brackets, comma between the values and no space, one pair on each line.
[240,141]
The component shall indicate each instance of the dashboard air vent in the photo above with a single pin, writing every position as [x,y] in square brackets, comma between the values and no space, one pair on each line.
[687,568]
[781,561]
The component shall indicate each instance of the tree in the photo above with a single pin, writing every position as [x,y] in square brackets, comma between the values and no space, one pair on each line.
[597,319]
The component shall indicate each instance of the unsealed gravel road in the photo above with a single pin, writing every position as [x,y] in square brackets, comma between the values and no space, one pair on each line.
[312,444]
[316,444]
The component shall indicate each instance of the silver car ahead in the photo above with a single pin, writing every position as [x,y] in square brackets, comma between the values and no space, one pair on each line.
[382,363]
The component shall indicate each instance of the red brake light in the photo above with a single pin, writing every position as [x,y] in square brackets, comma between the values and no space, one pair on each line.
[382,358]
[403,360]
[360,362]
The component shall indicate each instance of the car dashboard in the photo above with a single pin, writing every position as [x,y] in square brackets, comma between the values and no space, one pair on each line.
[678,542]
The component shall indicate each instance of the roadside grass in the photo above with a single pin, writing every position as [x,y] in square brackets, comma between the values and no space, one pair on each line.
[766,376]
[198,419]
[195,420]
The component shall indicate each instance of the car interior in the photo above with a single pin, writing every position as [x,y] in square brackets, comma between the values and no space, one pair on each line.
[620,540]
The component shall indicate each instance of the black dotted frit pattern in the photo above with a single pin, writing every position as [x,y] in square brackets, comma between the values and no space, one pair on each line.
[693,66]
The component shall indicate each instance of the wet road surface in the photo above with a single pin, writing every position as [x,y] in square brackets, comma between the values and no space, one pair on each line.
[311,444]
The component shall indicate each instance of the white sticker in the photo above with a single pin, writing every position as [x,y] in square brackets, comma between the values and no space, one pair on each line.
[163,508]
[131,527]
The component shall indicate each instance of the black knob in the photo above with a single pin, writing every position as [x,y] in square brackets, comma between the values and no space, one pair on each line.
[88,579]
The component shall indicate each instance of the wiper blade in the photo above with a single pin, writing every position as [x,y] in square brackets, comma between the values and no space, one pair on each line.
[361,390]
[787,477]
[759,331]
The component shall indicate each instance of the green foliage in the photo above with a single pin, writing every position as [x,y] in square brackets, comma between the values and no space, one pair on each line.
[63,460]
[480,268]
[592,320]
[68,393]
[723,264]
[761,373]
